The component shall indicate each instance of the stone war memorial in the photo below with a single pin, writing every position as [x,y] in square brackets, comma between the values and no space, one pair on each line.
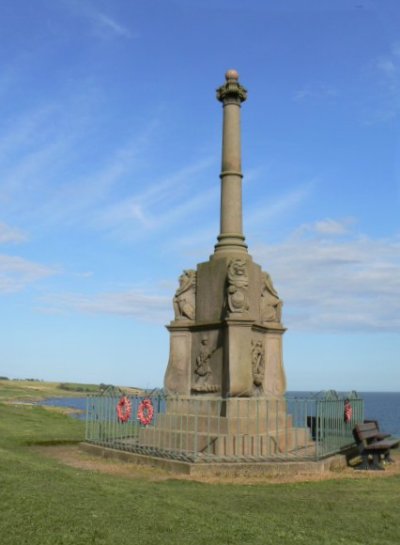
[226,335]
[224,385]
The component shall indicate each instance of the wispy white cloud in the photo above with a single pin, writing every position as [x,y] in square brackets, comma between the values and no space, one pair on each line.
[385,73]
[103,25]
[331,284]
[23,132]
[40,148]
[11,234]
[162,204]
[105,22]
[332,227]
[131,303]
[195,243]
[17,273]
[328,284]
[50,178]
[41,181]
[257,216]
[333,281]
[272,208]
[315,91]
[327,227]
[386,66]
[79,198]
[26,177]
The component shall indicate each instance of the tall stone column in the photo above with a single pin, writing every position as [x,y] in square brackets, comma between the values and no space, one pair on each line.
[226,337]
[231,238]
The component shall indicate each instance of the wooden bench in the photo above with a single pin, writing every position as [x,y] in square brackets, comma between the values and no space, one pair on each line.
[372,442]
[379,435]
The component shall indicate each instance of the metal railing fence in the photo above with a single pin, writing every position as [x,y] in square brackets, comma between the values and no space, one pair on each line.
[212,429]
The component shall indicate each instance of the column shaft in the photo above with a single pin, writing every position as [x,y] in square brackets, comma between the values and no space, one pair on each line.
[231,238]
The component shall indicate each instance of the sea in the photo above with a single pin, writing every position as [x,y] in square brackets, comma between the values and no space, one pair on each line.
[385,408]
[381,406]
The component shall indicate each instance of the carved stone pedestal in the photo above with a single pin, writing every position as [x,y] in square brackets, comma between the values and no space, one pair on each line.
[228,348]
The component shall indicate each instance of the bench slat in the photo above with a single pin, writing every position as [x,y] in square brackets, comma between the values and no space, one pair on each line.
[384,444]
[367,434]
[368,426]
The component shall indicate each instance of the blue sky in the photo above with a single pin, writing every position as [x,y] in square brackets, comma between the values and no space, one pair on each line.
[110,138]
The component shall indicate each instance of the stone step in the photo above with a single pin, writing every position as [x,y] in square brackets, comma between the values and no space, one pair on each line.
[222,425]
[228,408]
[274,443]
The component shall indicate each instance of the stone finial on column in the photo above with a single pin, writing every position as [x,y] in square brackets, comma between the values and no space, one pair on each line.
[231,89]
[231,237]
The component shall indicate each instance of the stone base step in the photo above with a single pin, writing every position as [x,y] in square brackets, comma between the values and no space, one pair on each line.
[273,443]
[237,407]
[253,425]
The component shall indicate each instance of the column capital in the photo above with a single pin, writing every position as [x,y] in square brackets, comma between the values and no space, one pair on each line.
[231,90]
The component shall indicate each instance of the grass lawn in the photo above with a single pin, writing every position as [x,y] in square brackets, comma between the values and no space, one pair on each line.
[43,501]
[29,390]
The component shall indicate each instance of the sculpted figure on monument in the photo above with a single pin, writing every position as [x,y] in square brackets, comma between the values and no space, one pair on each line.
[185,297]
[203,370]
[257,363]
[271,305]
[238,282]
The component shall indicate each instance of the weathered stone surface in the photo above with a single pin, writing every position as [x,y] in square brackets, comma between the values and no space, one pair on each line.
[275,378]
[177,376]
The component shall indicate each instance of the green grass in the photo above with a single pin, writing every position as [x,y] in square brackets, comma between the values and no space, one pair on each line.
[43,502]
[28,390]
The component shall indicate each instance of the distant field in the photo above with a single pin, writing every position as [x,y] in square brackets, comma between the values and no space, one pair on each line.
[29,390]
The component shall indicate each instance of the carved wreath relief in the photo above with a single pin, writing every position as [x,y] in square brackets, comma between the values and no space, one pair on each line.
[185,297]
[238,281]
[257,364]
[270,305]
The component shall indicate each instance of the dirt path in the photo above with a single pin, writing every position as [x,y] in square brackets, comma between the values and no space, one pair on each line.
[72,456]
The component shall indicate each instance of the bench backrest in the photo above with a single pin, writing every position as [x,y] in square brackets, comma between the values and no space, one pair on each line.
[363,432]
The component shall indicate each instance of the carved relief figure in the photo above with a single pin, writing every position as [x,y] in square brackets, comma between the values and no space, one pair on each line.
[257,364]
[271,305]
[203,370]
[185,297]
[238,282]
